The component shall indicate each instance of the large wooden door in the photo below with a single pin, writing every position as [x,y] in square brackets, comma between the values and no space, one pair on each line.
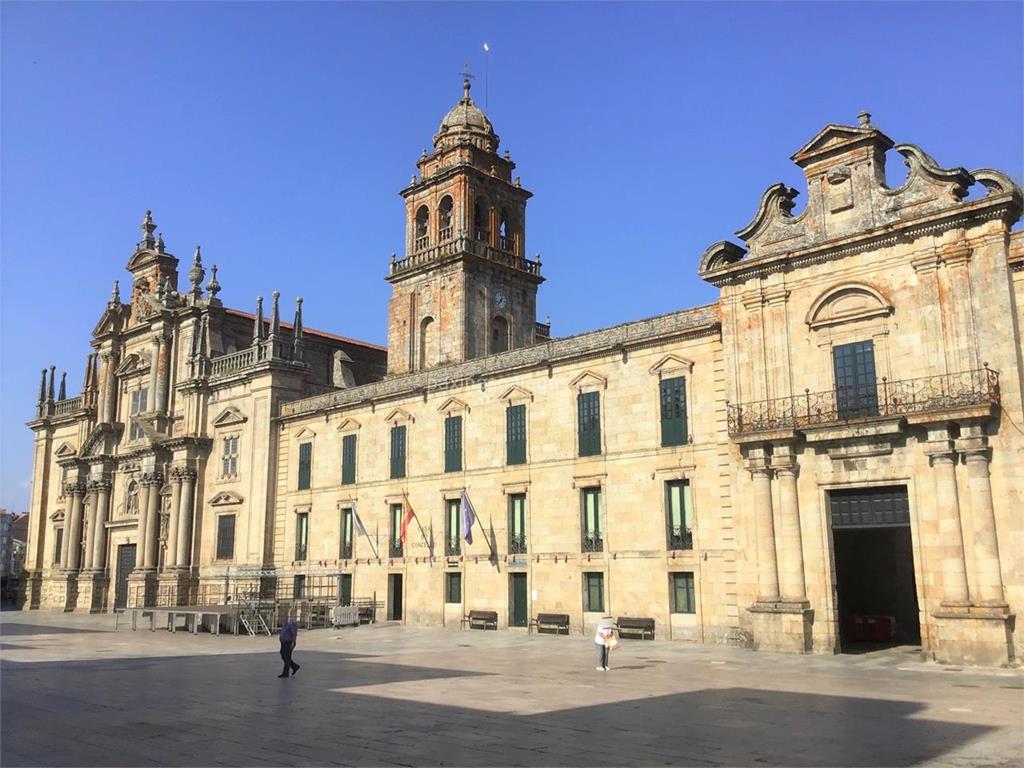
[125,565]
[520,608]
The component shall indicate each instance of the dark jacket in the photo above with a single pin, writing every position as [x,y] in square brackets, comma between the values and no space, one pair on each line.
[289,631]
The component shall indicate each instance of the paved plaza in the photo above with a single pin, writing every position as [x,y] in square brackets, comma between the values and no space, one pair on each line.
[77,692]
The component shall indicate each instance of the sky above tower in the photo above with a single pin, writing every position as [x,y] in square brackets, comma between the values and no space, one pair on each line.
[277,136]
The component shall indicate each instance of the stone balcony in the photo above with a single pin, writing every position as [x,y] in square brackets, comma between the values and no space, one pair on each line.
[266,351]
[967,394]
[426,255]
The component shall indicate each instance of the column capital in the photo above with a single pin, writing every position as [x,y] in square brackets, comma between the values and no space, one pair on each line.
[180,474]
[74,488]
[758,466]
[99,484]
[154,479]
[789,469]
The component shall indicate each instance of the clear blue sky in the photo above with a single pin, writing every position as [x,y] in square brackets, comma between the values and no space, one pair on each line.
[278,135]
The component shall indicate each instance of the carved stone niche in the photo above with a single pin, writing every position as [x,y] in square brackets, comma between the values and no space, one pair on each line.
[846,303]
[839,189]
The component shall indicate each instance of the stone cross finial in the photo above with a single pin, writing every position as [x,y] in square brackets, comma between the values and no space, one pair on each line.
[213,287]
[196,274]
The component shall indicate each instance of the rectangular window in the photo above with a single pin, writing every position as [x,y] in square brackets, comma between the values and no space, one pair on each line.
[305,465]
[397,452]
[856,387]
[299,588]
[453,444]
[593,540]
[226,537]
[453,587]
[346,533]
[517,524]
[301,535]
[348,460]
[452,527]
[593,592]
[138,405]
[515,434]
[679,514]
[397,512]
[681,588]
[588,407]
[673,411]
[58,545]
[229,457]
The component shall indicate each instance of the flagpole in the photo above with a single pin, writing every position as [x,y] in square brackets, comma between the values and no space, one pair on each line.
[487,77]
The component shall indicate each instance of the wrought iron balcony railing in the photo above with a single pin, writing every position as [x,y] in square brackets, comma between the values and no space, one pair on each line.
[593,543]
[887,398]
[680,539]
[346,551]
[396,549]
[452,548]
[517,544]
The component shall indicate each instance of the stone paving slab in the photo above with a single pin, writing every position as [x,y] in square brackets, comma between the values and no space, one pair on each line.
[75,692]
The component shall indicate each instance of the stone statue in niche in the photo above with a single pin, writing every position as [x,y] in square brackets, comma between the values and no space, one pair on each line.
[131,504]
[840,189]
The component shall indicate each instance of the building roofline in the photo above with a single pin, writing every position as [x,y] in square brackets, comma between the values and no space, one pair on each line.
[308,331]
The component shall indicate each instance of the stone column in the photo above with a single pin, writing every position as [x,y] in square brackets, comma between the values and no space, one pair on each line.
[154,374]
[152,523]
[73,535]
[950,536]
[764,525]
[791,570]
[98,541]
[163,369]
[108,398]
[986,581]
[65,550]
[90,522]
[171,556]
[187,501]
[144,491]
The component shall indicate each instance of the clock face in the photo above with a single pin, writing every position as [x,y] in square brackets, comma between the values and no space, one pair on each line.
[500,300]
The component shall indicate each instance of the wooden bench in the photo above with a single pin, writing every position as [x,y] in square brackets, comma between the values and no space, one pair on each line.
[634,626]
[551,621]
[481,619]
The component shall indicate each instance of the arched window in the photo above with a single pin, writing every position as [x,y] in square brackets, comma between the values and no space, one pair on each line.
[480,224]
[504,232]
[429,352]
[422,228]
[499,334]
[444,221]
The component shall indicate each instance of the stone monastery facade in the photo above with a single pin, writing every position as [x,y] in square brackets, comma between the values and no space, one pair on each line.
[829,455]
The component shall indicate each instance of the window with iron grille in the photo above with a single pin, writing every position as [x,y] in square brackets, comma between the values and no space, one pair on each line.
[225,537]
[453,587]
[138,405]
[856,387]
[593,592]
[673,411]
[346,533]
[58,545]
[681,589]
[305,465]
[593,537]
[397,512]
[348,460]
[517,523]
[588,407]
[678,514]
[452,527]
[301,535]
[453,444]
[515,434]
[299,587]
[397,452]
[229,457]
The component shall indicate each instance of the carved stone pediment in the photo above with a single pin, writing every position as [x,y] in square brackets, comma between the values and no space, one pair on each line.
[305,434]
[589,380]
[101,440]
[349,425]
[225,499]
[134,364]
[846,303]
[65,451]
[672,365]
[453,405]
[57,516]
[230,417]
[516,394]
[399,416]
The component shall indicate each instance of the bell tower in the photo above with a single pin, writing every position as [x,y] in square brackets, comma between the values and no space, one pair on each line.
[465,288]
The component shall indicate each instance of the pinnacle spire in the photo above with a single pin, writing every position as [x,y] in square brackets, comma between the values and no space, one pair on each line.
[257,328]
[115,295]
[42,389]
[148,228]
[62,393]
[275,317]
[297,328]
[49,393]
[196,275]
[213,287]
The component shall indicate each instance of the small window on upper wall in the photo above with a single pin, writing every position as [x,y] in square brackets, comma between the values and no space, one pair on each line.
[138,405]
[515,434]
[398,452]
[453,444]
[588,411]
[305,466]
[673,411]
[348,459]
[499,333]
[422,237]
[58,545]
[444,218]
[229,457]
[480,225]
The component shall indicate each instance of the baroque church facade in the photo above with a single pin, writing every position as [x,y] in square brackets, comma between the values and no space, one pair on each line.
[829,454]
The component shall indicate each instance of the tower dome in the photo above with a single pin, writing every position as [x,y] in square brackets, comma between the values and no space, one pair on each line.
[466,122]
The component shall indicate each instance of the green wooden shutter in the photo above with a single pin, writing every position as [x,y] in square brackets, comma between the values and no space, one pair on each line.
[453,444]
[588,408]
[348,459]
[305,465]
[397,452]
[673,411]
[515,434]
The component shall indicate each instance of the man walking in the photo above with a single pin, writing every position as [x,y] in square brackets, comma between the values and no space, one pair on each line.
[289,633]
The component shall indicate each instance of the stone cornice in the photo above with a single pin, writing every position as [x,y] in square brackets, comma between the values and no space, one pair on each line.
[692,323]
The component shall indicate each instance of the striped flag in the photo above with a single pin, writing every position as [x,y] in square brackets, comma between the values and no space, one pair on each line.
[360,528]
[468,518]
[409,515]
